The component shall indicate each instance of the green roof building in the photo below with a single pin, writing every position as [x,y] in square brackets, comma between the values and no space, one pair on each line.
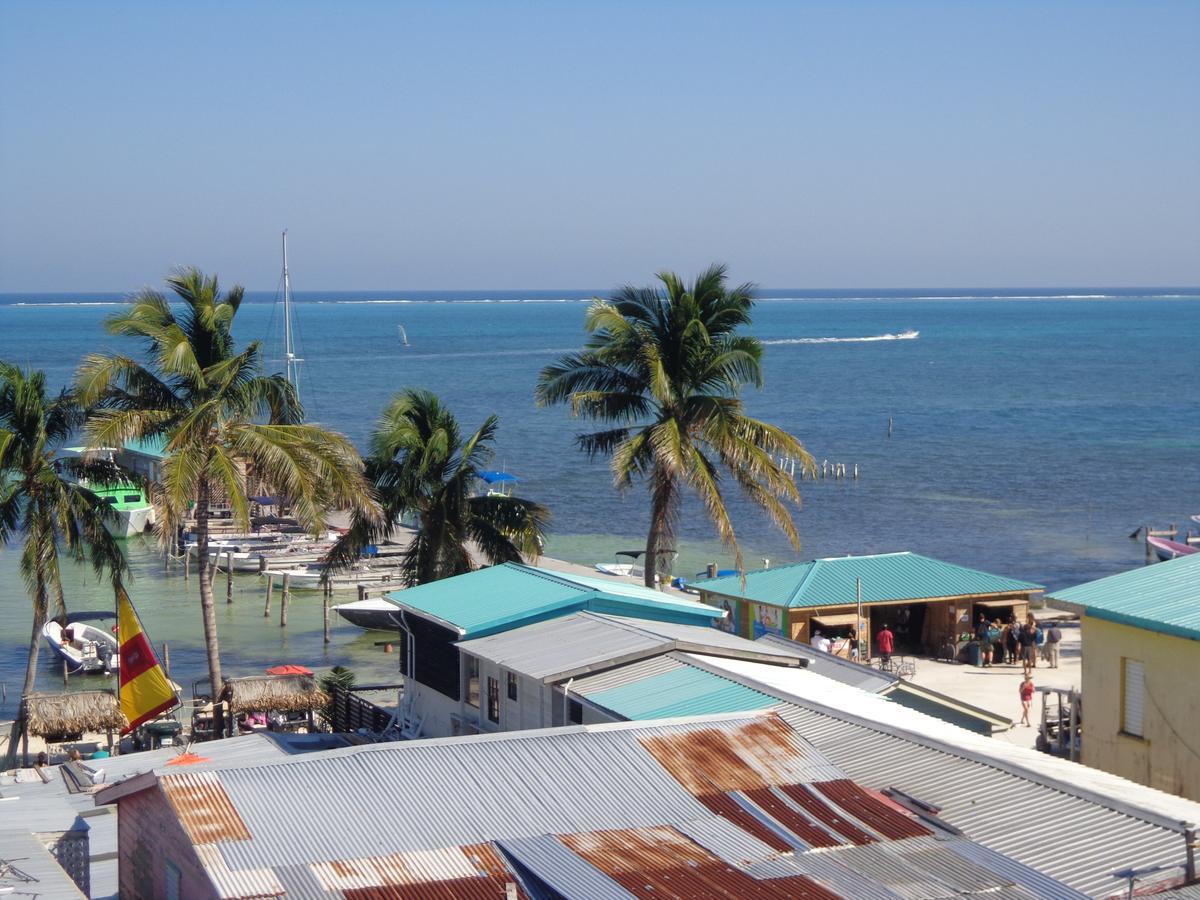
[926,602]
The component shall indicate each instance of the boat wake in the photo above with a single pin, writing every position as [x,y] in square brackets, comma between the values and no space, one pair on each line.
[902,336]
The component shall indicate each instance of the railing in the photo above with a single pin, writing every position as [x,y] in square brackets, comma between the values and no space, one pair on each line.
[352,713]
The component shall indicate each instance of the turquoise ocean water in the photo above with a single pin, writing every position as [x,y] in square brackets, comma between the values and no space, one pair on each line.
[1032,432]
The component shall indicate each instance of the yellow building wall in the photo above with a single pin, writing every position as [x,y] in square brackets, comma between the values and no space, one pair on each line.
[1168,757]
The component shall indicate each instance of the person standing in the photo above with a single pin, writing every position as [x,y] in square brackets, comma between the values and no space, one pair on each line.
[886,642]
[1050,648]
[1028,642]
[981,635]
[1011,630]
[1026,693]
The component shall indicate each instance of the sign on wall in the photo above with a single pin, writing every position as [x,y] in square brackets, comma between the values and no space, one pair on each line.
[766,620]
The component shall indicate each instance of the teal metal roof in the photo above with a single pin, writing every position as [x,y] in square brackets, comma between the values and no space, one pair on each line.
[148,446]
[886,577]
[685,691]
[1163,597]
[497,598]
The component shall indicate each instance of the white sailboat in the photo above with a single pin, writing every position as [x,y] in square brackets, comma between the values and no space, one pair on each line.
[291,362]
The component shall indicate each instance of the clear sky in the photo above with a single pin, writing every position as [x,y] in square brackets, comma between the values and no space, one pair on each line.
[570,144]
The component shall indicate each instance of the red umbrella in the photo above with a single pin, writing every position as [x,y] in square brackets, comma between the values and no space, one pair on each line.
[289,670]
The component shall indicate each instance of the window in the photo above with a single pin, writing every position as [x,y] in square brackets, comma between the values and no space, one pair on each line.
[576,713]
[1133,695]
[133,498]
[174,879]
[493,709]
[512,685]
[472,697]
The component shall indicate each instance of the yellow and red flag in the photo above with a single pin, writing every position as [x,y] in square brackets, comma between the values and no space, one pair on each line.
[145,691]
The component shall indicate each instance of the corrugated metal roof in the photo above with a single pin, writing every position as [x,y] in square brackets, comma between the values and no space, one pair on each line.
[855,674]
[561,869]
[556,649]
[985,787]
[34,871]
[630,673]
[568,644]
[885,577]
[680,692]
[637,806]
[1163,597]
[495,598]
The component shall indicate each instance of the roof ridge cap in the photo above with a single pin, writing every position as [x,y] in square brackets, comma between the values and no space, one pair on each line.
[812,567]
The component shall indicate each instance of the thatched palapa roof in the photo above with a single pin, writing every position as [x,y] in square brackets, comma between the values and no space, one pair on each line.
[282,693]
[73,712]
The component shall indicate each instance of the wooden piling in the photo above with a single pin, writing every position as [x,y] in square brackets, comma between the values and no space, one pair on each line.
[166,660]
[187,563]
[283,603]
[270,588]
[66,672]
[325,615]
[229,577]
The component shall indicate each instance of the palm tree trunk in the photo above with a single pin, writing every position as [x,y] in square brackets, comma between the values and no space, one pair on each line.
[20,729]
[662,500]
[211,644]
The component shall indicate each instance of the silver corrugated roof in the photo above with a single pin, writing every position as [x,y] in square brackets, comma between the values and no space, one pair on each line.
[35,872]
[1073,838]
[559,648]
[562,869]
[628,674]
[843,670]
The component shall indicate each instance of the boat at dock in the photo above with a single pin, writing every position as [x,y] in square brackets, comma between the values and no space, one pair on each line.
[310,577]
[375,614]
[1166,549]
[133,513]
[87,647]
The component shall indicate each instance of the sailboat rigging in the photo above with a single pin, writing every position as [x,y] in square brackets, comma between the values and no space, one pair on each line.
[403,335]
[291,361]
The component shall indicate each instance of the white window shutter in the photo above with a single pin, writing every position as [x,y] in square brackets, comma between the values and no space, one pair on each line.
[1134,698]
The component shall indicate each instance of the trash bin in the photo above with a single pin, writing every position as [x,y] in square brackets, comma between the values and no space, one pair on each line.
[974,654]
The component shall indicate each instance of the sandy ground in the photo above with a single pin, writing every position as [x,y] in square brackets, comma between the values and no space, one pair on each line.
[995,688]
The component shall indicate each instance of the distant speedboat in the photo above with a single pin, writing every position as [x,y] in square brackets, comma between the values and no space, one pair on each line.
[86,647]
[134,514]
[1166,549]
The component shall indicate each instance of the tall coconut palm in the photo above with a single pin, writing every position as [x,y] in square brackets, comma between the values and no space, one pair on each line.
[420,465]
[42,504]
[663,368]
[219,417]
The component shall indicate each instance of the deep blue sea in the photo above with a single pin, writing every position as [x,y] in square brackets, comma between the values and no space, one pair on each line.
[1032,430]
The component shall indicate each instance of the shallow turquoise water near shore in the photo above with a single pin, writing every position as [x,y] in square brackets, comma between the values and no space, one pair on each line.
[1031,436]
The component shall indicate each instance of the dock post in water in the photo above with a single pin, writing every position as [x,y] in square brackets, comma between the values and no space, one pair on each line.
[187,563]
[287,584]
[325,615]
[166,659]
[270,588]
[229,577]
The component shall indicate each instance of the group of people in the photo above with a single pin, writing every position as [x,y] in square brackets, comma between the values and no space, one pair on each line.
[1011,642]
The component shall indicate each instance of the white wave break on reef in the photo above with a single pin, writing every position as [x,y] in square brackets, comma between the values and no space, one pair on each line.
[902,336]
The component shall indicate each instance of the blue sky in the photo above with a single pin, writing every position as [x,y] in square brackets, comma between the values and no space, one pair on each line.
[518,145]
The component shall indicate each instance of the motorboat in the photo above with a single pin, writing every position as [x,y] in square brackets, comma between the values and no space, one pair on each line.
[621,569]
[1166,549]
[134,514]
[85,646]
[499,484]
[376,614]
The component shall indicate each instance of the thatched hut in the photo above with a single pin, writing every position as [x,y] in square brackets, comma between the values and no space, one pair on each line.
[274,693]
[69,715]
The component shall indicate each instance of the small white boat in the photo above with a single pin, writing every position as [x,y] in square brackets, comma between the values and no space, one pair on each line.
[1166,549]
[377,614]
[631,569]
[86,647]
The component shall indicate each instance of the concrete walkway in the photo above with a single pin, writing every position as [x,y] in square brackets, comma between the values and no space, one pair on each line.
[995,688]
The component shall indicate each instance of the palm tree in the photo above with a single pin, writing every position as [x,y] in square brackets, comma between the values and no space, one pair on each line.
[421,466]
[39,501]
[663,368]
[219,416]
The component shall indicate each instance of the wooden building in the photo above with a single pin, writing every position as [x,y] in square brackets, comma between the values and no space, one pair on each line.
[925,602]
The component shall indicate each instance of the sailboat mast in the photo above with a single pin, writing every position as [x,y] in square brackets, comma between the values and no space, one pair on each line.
[288,350]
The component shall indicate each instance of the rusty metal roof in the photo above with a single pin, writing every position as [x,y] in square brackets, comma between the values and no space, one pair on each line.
[687,808]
